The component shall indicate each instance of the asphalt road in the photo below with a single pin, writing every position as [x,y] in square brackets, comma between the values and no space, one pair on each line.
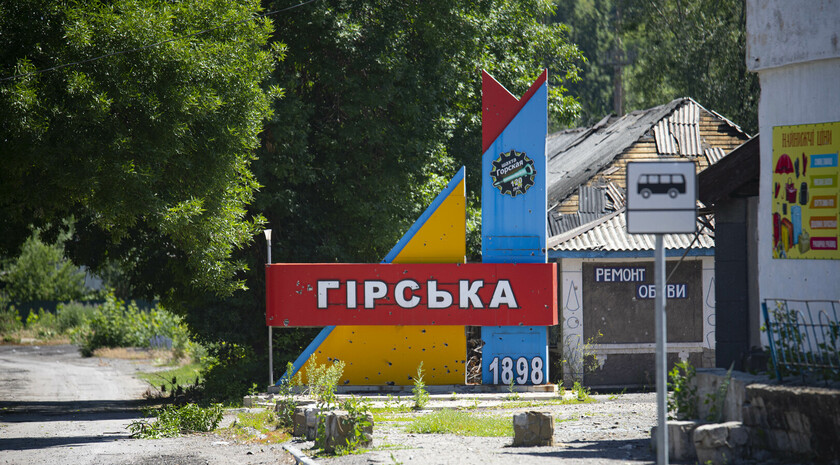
[59,408]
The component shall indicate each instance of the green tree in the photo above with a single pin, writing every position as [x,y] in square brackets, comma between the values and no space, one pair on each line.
[382,107]
[149,148]
[693,49]
[595,27]
[41,272]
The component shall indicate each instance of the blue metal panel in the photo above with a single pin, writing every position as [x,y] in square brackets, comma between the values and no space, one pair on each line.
[517,353]
[513,224]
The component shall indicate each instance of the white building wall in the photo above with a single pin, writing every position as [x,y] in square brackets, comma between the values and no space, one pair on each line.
[793,45]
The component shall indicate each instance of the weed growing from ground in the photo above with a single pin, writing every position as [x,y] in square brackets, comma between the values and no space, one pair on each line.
[683,400]
[175,421]
[512,394]
[421,396]
[581,392]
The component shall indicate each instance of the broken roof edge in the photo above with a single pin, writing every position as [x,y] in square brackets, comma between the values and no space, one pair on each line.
[725,119]
[554,241]
[703,237]
[658,113]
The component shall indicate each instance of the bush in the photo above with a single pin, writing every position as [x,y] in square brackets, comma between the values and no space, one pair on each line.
[174,421]
[115,324]
[10,320]
[230,371]
[41,272]
[73,315]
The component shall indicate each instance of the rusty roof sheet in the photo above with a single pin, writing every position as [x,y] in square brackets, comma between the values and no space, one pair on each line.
[609,233]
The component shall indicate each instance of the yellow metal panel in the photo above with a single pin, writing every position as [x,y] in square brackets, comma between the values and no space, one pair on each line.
[381,355]
[442,239]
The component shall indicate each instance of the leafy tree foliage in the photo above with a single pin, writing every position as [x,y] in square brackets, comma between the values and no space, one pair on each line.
[382,106]
[667,49]
[694,49]
[595,28]
[148,149]
[41,272]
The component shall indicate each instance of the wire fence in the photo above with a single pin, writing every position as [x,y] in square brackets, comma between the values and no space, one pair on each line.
[804,338]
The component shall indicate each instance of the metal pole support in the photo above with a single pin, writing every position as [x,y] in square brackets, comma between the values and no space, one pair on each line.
[661,358]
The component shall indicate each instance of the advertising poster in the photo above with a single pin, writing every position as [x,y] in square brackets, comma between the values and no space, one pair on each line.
[805,191]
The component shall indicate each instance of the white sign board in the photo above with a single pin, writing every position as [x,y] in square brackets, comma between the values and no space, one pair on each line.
[661,197]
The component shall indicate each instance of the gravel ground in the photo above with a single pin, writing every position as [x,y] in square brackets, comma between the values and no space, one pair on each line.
[615,429]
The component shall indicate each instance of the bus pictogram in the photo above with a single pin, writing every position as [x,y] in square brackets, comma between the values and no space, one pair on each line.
[671,184]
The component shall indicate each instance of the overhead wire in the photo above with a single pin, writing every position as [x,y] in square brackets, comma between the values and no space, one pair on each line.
[156,44]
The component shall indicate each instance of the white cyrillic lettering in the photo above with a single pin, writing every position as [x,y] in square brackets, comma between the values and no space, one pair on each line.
[323,287]
[436,298]
[468,294]
[374,290]
[599,274]
[503,294]
[399,293]
[351,294]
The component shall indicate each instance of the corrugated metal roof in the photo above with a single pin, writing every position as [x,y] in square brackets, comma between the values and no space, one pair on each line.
[609,233]
[616,196]
[714,154]
[574,157]
[679,133]
[592,200]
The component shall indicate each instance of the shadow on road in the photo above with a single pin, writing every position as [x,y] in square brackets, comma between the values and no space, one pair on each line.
[72,410]
[625,450]
[29,443]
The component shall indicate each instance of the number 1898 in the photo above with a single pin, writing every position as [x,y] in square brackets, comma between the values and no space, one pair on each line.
[525,370]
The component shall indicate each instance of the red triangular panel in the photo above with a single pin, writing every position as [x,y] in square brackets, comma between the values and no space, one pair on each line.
[499,106]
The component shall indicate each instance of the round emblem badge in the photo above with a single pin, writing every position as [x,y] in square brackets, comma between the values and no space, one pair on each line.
[513,173]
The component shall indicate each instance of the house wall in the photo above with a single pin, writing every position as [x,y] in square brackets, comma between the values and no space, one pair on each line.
[607,320]
[737,306]
[793,45]
[714,132]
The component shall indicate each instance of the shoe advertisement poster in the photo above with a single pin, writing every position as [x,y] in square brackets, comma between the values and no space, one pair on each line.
[805,191]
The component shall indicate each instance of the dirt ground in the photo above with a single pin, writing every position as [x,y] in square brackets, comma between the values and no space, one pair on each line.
[57,407]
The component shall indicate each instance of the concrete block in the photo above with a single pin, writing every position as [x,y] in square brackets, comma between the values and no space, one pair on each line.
[305,421]
[708,380]
[533,429]
[680,440]
[340,429]
[721,442]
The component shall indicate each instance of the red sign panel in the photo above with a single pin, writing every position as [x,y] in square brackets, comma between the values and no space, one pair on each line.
[477,294]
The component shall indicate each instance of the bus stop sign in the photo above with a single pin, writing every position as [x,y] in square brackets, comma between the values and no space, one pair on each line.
[661,197]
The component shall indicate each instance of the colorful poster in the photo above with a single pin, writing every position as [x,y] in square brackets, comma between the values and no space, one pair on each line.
[805,191]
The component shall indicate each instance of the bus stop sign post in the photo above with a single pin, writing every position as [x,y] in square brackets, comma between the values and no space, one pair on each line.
[661,199]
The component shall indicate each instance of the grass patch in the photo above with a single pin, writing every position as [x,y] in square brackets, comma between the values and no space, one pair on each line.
[169,380]
[461,423]
[383,415]
[257,428]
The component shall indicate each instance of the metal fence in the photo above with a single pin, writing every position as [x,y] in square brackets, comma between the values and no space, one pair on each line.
[804,337]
